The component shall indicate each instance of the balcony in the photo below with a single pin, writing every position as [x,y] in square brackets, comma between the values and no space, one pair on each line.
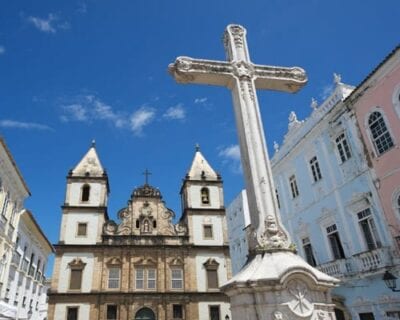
[338,268]
[364,262]
[370,261]
[16,258]
[10,232]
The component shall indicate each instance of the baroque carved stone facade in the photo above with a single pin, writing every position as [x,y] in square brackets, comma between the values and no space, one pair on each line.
[143,266]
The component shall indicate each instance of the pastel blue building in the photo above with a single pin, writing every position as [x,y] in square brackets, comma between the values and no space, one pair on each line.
[329,205]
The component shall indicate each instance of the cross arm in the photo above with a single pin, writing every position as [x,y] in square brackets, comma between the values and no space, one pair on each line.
[279,78]
[189,70]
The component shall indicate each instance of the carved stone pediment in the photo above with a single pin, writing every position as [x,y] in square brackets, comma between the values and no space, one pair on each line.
[177,261]
[77,263]
[114,261]
[145,214]
[147,261]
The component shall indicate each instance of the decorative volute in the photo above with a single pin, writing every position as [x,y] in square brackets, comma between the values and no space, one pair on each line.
[90,165]
[201,169]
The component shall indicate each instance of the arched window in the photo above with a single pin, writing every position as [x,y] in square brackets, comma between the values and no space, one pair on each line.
[85,193]
[398,204]
[145,314]
[205,196]
[379,133]
[146,226]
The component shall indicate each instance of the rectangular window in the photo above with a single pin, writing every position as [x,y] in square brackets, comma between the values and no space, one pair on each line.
[72,313]
[335,243]
[293,186]
[177,311]
[368,229]
[393,315]
[139,278]
[111,312]
[151,278]
[5,205]
[212,279]
[177,278]
[343,148]
[113,278]
[366,316]
[82,229]
[214,313]
[277,198]
[308,252]
[207,231]
[76,279]
[316,171]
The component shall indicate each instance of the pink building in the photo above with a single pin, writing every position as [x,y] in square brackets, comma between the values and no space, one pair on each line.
[376,104]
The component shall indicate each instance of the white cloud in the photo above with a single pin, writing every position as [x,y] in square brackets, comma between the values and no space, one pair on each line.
[75,112]
[82,8]
[141,118]
[2,50]
[231,156]
[200,100]
[232,152]
[23,125]
[49,25]
[175,113]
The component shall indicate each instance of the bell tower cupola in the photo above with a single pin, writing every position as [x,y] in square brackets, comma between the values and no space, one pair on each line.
[85,205]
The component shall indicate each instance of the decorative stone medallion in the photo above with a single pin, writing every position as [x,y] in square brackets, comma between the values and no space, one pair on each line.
[300,304]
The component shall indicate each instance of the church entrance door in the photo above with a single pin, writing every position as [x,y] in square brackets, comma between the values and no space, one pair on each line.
[145,314]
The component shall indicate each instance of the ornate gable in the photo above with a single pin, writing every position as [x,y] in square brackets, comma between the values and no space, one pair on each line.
[145,215]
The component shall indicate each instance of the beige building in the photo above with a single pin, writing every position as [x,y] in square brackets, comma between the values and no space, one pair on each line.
[143,266]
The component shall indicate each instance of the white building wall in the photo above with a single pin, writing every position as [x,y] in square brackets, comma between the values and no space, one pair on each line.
[60,312]
[69,227]
[198,221]
[195,197]
[65,271]
[200,259]
[238,218]
[96,198]
[204,310]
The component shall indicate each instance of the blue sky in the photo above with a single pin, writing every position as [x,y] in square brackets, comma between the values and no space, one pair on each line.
[73,71]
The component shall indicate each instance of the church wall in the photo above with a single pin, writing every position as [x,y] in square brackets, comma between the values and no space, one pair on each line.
[87,275]
[216,222]
[60,310]
[70,227]
[201,258]
[195,197]
[74,194]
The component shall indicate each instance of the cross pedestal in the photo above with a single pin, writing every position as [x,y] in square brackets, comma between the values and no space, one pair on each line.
[276,283]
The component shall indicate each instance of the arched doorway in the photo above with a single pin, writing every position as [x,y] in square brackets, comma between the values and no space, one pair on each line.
[145,314]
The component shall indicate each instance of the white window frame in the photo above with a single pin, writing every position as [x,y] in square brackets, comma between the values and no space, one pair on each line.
[369,133]
[294,188]
[396,99]
[315,169]
[367,215]
[114,280]
[176,280]
[343,147]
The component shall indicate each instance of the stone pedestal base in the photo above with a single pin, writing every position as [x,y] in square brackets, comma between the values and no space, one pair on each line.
[280,285]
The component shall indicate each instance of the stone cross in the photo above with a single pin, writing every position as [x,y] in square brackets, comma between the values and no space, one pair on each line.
[242,77]
[146,174]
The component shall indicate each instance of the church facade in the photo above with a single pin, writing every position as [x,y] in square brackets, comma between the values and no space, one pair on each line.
[143,266]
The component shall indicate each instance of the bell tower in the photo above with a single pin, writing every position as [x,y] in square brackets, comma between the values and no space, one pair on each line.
[203,203]
[85,207]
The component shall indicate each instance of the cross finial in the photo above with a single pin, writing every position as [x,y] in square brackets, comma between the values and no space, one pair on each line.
[197,147]
[93,143]
[146,174]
